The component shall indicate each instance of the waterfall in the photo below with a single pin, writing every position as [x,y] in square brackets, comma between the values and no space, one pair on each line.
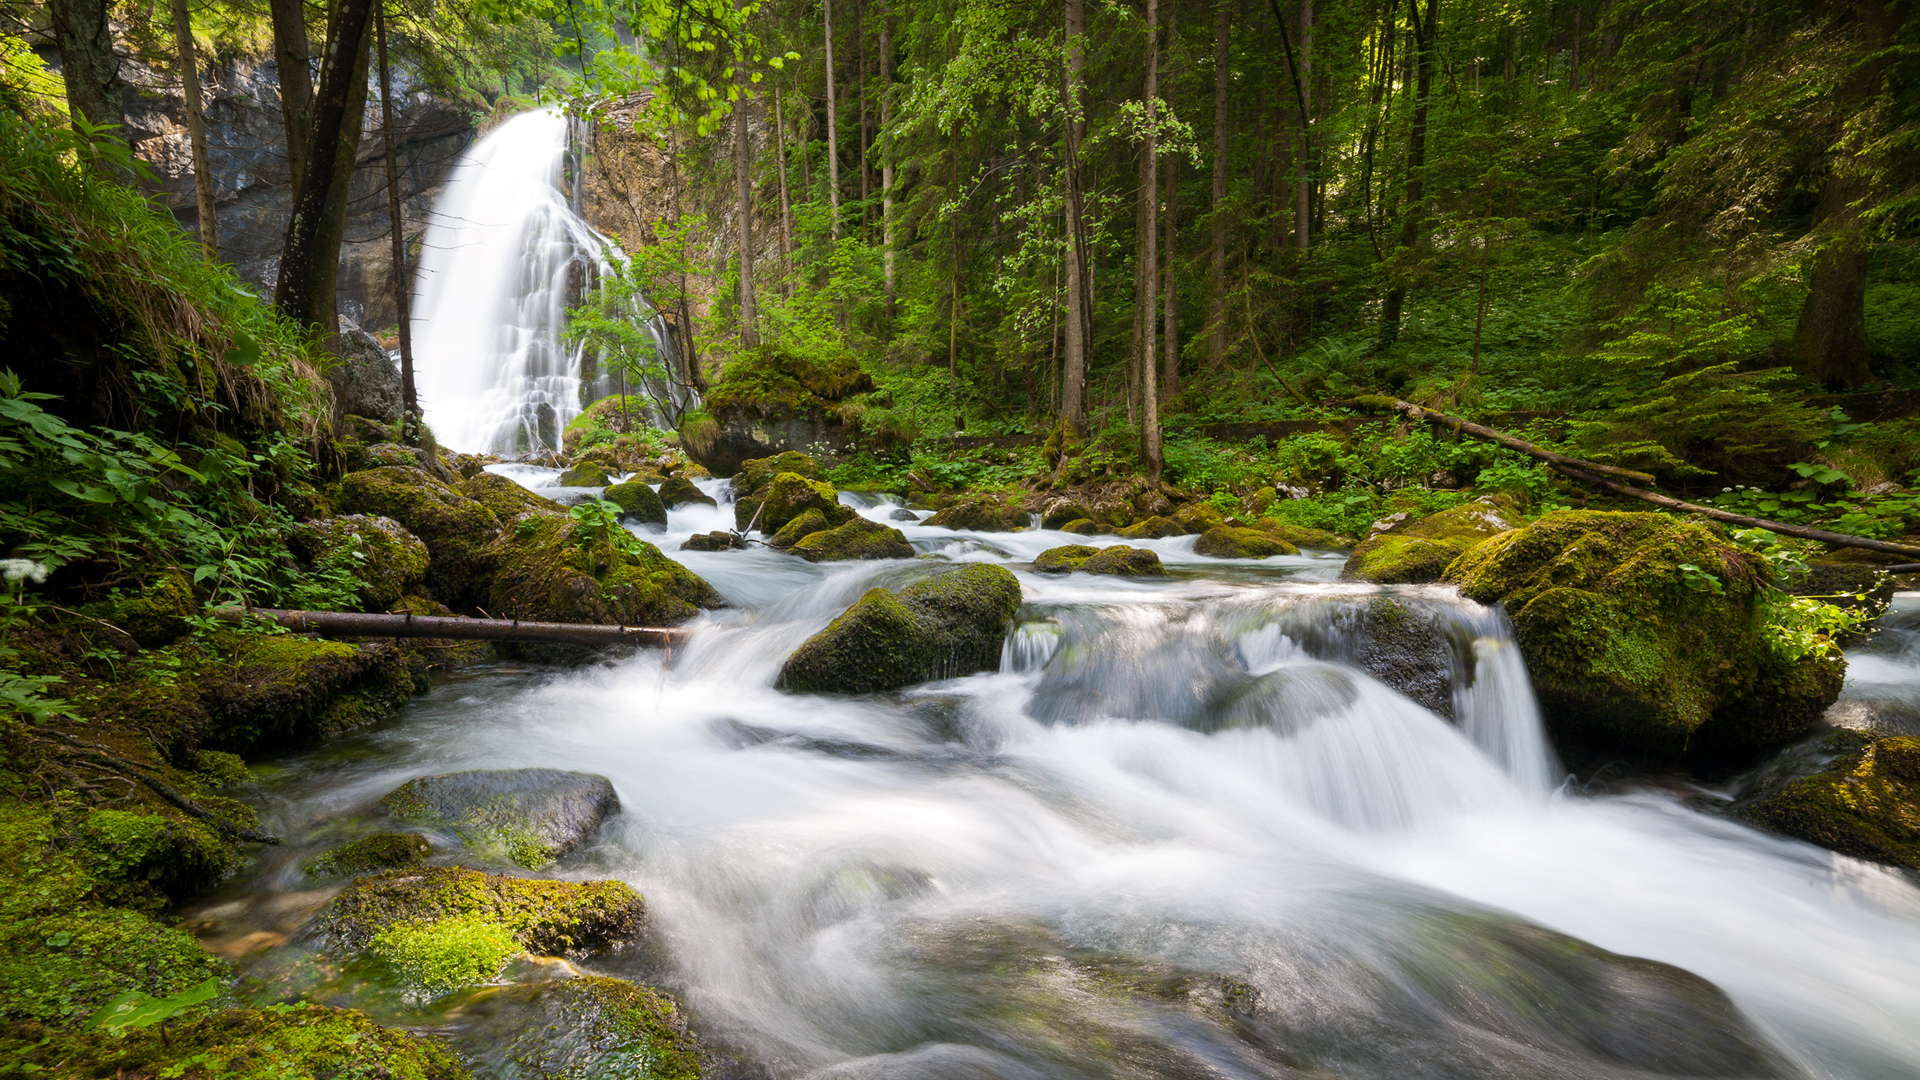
[504,255]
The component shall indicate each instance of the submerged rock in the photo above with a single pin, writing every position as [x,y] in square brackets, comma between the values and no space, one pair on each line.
[381,851]
[1409,551]
[1228,542]
[948,625]
[1867,804]
[903,514]
[1648,635]
[859,538]
[531,816]
[638,501]
[381,554]
[555,918]
[588,1026]
[678,491]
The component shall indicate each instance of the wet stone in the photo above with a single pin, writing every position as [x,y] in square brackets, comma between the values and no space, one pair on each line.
[526,816]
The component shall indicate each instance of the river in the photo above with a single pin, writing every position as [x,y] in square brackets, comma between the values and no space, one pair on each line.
[1168,780]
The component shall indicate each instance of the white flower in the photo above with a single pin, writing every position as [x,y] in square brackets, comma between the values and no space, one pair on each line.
[17,570]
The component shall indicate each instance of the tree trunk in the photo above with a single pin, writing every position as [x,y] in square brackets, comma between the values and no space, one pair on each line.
[1425,32]
[88,66]
[860,73]
[886,160]
[196,129]
[1217,254]
[1303,181]
[311,257]
[402,281]
[786,200]
[743,205]
[1149,193]
[1170,359]
[1829,345]
[833,130]
[1073,389]
[291,54]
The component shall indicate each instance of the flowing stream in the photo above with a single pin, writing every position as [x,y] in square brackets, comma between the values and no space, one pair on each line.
[1169,781]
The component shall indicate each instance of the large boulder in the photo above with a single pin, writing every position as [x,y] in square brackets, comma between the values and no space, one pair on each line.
[458,531]
[1409,551]
[554,918]
[586,474]
[580,1027]
[754,476]
[1649,636]
[947,625]
[1228,542]
[1867,804]
[638,501]
[982,513]
[556,568]
[364,378]
[791,495]
[678,491]
[505,498]
[529,816]
[1198,518]
[386,559]
[858,538]
[1119,560]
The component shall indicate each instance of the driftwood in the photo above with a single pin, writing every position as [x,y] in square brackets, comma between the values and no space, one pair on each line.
[354,624]
[1591,473]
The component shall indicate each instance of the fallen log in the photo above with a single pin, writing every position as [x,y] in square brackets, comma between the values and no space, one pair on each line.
[1589,473]
[356,624]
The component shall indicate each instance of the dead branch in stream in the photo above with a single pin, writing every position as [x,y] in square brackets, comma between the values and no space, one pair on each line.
[1588,472]
[357,624]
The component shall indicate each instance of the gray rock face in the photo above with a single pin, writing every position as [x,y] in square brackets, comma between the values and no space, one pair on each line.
[527,816]
[365,380]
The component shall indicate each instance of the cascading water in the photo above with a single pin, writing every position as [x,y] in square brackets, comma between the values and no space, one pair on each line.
[1182,832]
[504,257]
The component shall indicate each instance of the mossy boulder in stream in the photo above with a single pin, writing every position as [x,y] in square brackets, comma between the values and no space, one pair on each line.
[284,689]
[858,538]
[507,499]
[1866,804]
[678,491]
[1408,552]
[379,552]
[756,475]
[809,522]
[586,474]
[1229,542]
[529,816]
[982,513]
[590,1026]
[1153,528]
[554,918]
[947,625]
[638,501]
[381,851]
[458,530]
[1648,636]
[791,495]
[1119,559]
[557,568]
[1063,559]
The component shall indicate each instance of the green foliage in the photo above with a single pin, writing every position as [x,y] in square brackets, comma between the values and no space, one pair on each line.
[134,1009]
[436,958]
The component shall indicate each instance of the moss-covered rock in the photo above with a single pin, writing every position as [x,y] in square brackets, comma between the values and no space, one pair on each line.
[1228,542]
[754,476]
[158,613]
[1064,559]
[592,1026]
[1153,528]
[1084,527]
[982,513]
[1420,550]
[59,969]
[809,522]
[382,555]
[1124,561]
[1866,804]
[678,491]
[948,625]
[638,501]
[791,495]
[506,499]
[858,538]
[284,689]
[1198,518]
[716,540]
[436,957]
[529,816]
[1300,535]
[1059,513]
[586,474]
[458,531]
[381,851]
[553,568]
[274,1043]
[1648,635]
[555,918]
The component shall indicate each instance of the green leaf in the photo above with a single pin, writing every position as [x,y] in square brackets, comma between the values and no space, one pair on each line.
[134,1009]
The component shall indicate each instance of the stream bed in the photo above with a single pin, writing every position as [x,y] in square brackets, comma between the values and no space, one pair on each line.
[1182,832]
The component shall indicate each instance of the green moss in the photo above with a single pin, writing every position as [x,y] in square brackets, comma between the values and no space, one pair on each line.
[772,381]
[378,552]
[1300,535]
[756,474]
[551,568]
[678,491]
[279,1042]
[1124,561]
[158,613]
[858,538]
[948,625]
[1065,559]
[615,1029]
[381,851]
[1153,528]
[810,521]
[1083,527]
[437,958]
[1632,652]
[1421,550]
[1866,805]
[586,474]
[59,969]
[638,501]
[283,689]
[458,531]
[1198,518]
[549,917]
[216,769]
[790,495]
[506,499]
[981,513]
[1227,542]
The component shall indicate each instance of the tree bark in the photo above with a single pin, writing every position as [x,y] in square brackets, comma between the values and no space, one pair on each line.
[833,129]
[88,65]
[743,204]
[886,160]
[196,130]
[1150,196]
[357,624]
[1425,32]
[786,200]
[1170,355]
[1217,254]
[402,281]
[311,257]
[1303,181]
[860,74]
[1079,301]
[291,55]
